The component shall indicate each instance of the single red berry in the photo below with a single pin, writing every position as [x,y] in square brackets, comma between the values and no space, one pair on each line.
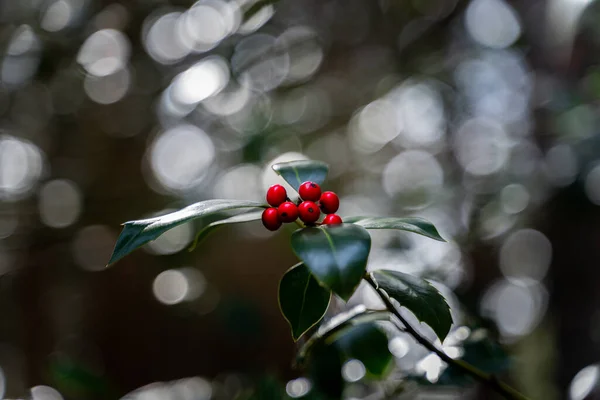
[270,219]
[329,202]
[309,211]
[276,195]
[288,212]
[332,219]
[310,191]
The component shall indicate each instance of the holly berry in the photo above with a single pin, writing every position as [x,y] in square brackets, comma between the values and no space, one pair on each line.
[276,195]
[310,191]
[309,211]
[332,219]
[270,219]
[288,212]
[329,202]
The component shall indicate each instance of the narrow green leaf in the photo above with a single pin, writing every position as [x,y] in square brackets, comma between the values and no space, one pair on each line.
[297,172]
[137,233]
[414,225]
[368,344]
[236,219]
[335,254]
[419,296]
[303,302]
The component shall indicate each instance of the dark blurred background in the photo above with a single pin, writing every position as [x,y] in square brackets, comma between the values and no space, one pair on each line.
[480,115]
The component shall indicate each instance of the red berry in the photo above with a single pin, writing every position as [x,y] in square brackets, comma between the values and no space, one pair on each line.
[276,195]
[288,212]
[270,219]
[310,191]
[332,219]
[309,211]
[330,202]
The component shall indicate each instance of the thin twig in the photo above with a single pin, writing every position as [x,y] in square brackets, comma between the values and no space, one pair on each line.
[488,379]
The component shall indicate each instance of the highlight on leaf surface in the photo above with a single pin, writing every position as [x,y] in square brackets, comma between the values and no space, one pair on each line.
[418,296]
[137,233]
[297,172]
[302,300]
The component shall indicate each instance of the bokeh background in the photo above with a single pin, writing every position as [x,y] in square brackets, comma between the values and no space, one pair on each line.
[480,115]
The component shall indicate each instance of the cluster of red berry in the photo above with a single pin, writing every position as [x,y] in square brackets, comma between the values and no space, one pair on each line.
[283,210]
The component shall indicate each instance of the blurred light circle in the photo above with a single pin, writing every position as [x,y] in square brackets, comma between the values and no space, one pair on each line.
[59,203]
[92,247]
[304,50]
[516,307]
[592,184]
[415,176]
[241,182]
[261,17]
[421,110]
[561,165]
[170,287]
[584,382]
[261,62]
[228,101]
[202,80]
[298,387]
[22,41]
[163,40]
[481,146]
[432,367]
[57,16]
[173,240]
[22,56]
[374,126]
[153,391]
[208,22]
[514,198]
[399,347]
[353,371]
[492,23]
[181,156]
[104,52]
[526,253]
[195,388]
[20,167]
[2,380]
[45,393]
[9,221]
[270,177]
[109,88]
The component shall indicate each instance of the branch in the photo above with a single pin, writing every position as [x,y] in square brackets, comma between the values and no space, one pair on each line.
[483,377]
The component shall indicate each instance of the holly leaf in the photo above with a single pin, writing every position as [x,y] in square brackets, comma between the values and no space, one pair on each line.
[335,254]
[303,302]
[368,344]
[415,225]
[419,296]
[137,233]
[297,172]
[236,219]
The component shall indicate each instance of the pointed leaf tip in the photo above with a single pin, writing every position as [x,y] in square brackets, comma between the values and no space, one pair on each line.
[297,172]
[415,225]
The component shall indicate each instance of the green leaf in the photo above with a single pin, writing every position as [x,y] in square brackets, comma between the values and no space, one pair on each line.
[368,344]
[303,302]
[297,172]
[414,225]
[335,254]
[236,219]
[138,233]
[419,296]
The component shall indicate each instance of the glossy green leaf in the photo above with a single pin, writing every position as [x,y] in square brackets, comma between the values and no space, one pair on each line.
[368,344]
[297,172]
[414,225]
[302,300]
[335,254]
[419,296]
[236,219]
[137,233]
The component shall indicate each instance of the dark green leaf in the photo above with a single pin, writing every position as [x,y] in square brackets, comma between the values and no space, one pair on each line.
[368,344]
[138,233]
[302,300]
[335,254]
[297,172]
[414,225]
[419,296]
[325,371]
[236,219]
